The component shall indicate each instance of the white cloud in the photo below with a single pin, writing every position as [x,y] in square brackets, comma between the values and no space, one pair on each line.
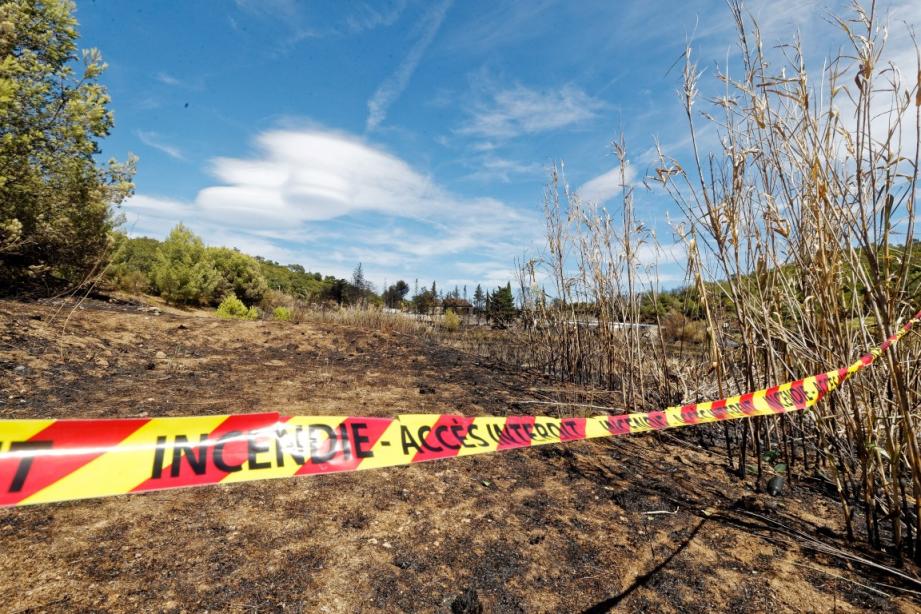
[336,19]
[606,186]
[393,86]
[493,168]
[314,176]
[196,84]
[498,24]
[153,215]
[520,110]
[167,79]
[368,17]
[152,139]
[653,253]
[330,200]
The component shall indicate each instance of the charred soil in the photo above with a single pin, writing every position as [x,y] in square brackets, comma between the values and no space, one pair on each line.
[556,528]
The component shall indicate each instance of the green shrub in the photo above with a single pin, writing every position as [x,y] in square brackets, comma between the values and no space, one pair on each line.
[281,313]
[131,264]
[133,281]
[240,274]
[451,321]
[183,272]
[233,308]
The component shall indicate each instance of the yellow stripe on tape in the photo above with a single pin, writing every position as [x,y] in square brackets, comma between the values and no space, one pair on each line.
[125,466]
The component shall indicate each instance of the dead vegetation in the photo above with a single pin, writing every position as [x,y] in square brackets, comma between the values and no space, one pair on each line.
[559,528]
[798,230]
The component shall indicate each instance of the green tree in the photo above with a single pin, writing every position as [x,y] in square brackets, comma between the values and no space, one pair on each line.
[293,279]
[425,302]
[360,290]
[233,308]
[131,264]
[502,306]
[240,275]
[393,296]
[183,272]
[479,298]
[56,204]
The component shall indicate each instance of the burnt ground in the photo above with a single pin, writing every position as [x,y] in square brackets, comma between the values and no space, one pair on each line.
[550,529]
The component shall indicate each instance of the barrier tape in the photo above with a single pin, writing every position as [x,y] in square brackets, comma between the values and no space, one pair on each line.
[42,461]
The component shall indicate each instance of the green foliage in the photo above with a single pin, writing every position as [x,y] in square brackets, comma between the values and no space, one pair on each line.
[132,261]
[394,295]
[425,302]
[134,282]
[501,306]
[479,298]
[183,273]
[293,280]
[56,205]
[240,274]
[233,308]
[281,313]
[451,321]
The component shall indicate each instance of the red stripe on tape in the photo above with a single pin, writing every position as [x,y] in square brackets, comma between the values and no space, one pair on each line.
[58,450]
[516,433]
[206,458]
[350,443]
[444,439]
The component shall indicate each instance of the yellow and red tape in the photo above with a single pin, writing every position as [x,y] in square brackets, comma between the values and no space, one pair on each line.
[43,461]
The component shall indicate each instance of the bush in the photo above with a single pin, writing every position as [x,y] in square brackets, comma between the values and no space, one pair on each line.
[678,327]
[451,321]
[131,265]
[281,313]
[233,308]
[293,280]
[134,282]
[183,272]
[240,274]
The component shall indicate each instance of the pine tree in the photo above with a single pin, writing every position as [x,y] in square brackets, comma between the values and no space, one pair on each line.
[479,298]
[56,203]
[183,272]
[358,277]
[360,287]
[501,307]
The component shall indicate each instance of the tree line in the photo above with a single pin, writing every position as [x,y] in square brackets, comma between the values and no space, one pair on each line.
[184,271]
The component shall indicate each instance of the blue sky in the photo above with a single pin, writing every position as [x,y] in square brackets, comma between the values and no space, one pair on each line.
[414,137]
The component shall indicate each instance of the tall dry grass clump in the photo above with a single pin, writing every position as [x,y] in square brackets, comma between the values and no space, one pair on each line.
[368,317]
[804,216]
[798,202]
[592,331]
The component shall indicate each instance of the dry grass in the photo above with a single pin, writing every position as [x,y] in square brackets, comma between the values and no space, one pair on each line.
[798,231]
[556,528]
